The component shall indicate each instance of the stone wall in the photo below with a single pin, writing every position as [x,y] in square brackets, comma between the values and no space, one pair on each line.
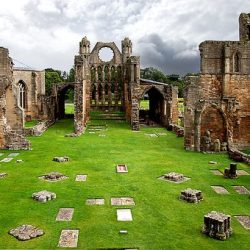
[218,99]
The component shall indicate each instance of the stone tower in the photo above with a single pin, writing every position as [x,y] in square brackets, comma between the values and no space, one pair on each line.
[126,48]
[244,23]
[84,47]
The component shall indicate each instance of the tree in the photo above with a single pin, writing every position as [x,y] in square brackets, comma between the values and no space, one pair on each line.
[71,75]
[52,76]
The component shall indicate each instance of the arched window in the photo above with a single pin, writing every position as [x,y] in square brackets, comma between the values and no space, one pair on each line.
[22,95]
[236,62]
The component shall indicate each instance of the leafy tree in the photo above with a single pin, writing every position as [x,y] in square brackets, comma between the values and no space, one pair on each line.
[52,76]
[71,75]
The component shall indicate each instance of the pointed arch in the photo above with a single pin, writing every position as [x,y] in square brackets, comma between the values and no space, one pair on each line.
[23,93]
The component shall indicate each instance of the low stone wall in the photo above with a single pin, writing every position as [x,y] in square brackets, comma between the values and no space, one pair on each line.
[38,129]
[16,141]
[179,131]
[237,155]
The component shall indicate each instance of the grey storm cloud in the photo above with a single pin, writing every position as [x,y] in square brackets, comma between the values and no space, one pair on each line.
[165,33]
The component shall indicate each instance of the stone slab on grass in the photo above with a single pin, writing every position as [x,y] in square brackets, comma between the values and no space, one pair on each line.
[242,172]
[122,201]
[81,177]
[68,238]
[244,220]
[2,175]
[98,201]
[219,189]
[26,232]
[13,155]
[151,135]
[121,168]
[241,189]
[216,171]
[1,154]
[213,162]
[65,214]
[124,214]
[6,159]
[181,180]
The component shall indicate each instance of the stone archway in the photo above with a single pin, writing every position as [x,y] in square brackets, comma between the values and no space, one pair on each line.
[154,111]
[61,97]
[213,120]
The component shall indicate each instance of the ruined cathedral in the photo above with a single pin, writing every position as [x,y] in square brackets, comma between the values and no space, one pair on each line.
[217,103]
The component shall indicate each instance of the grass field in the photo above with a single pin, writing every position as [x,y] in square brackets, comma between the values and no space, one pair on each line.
[69,108]
[160,219]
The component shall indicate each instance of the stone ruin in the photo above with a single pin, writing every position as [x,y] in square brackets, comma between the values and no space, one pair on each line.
[61,158]
[172,176]
[231,172]
[216,102]
[217,225]
[53,176]
[191,195]
[26,232]
[2,175]
[43,196]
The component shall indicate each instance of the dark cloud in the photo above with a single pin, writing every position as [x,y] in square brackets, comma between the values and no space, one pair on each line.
[170,57]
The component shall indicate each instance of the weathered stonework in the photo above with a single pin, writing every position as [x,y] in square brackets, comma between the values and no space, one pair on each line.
[217,103]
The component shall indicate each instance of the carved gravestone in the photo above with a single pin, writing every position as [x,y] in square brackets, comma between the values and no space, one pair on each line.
[217,225]
[191,195]
[26,232]
[231,172]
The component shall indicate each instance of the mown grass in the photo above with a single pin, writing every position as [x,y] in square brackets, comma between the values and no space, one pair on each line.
[69,108]
[160,219]
[31,124]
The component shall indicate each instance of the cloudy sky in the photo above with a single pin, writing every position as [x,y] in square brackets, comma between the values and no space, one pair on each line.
[165,33]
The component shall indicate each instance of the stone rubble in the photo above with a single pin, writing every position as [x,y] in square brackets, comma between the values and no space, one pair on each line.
[61,158]
[191,195]
[44,196]
[54,176]
[26,232]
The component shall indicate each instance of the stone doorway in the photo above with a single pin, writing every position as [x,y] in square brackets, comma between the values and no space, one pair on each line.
[152,107]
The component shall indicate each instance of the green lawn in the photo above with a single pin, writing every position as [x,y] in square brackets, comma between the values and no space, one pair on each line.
[31,124]
[69,108]
[160,219]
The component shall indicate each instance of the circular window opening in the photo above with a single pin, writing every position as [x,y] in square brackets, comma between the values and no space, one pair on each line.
[106,54]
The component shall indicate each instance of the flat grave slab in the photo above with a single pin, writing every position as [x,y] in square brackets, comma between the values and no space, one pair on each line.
[68,238]
[152,135]
[242,172]
[244,220]
[124,214]
[6,159]
[65,214]
[241,189]
[121,168]
[219,189]
[91,132]
[102,135]
[122,201]
[216,172]
[98,201]
[81,177]
[1,154]
[13,155]
[212,162]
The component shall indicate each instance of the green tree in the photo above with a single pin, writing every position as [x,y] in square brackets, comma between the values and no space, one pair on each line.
[52,76]
[71,75]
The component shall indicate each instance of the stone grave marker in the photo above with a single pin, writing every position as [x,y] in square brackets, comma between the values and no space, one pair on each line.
[124,214]
[43,196]
[26,232]
[217,225]
[2,175]
[91,132]
[213,162]
[174,177]
[242,172]
[216,171]
[244,220]
[65,214]
[68,238]
[81,177]
[6,159]
[53,176]
[219,189]
[241,189]
[13,155]
[122,201]
[98,201]
[121,168]
[191,195]
[152,135]
[61,158]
